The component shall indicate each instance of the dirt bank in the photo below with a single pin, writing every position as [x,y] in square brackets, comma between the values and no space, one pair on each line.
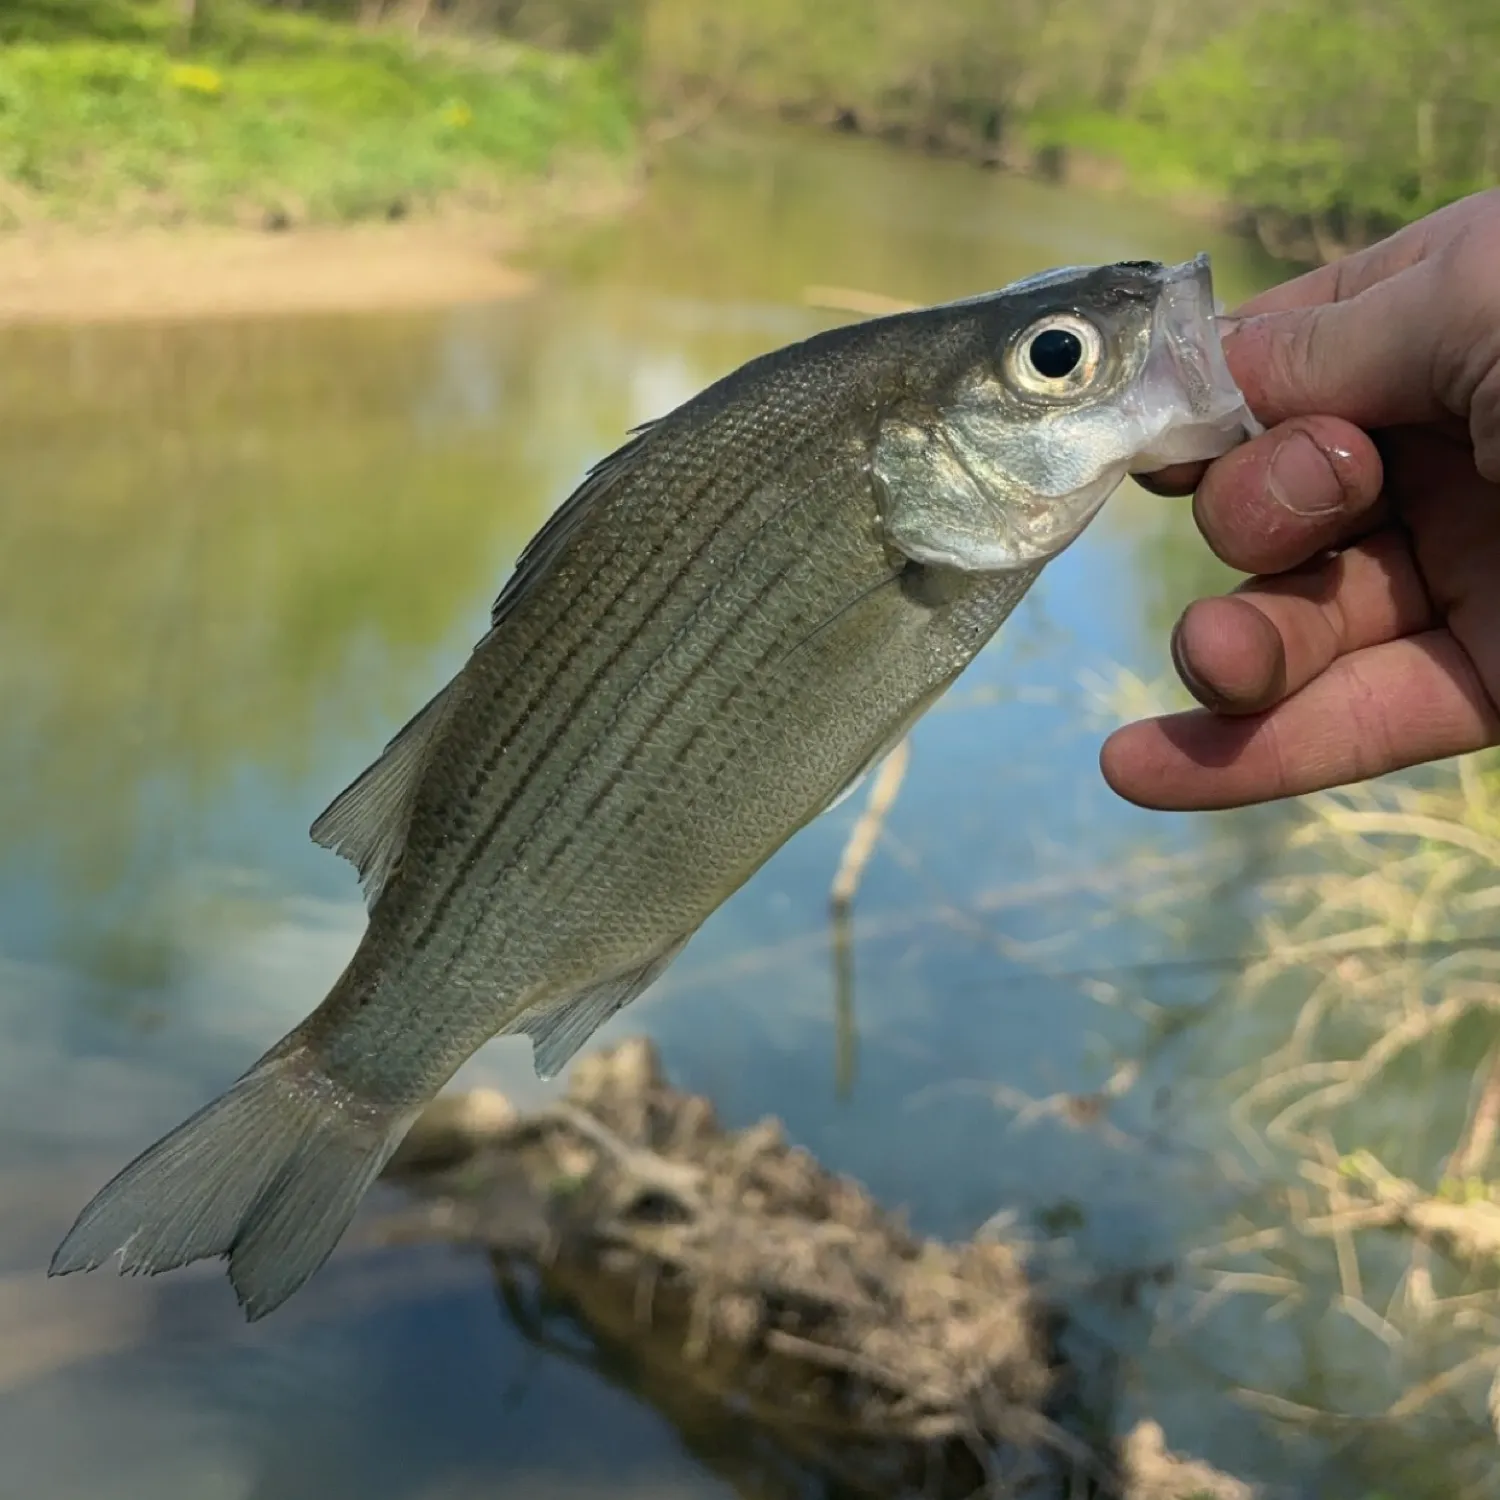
[191,274]
[57,275]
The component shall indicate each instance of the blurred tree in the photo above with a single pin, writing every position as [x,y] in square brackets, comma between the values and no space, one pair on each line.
[1327,126]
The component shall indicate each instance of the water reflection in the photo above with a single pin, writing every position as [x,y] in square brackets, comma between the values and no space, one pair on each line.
[759,1458]
[249,545]
[236,556]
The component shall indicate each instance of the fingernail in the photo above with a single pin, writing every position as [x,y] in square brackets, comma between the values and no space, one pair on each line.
[1185,672]
[1302,479]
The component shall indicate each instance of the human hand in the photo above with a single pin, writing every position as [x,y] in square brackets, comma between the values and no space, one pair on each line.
[1369,639]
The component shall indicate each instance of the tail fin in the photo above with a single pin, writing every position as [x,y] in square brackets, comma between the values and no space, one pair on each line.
[269,1174]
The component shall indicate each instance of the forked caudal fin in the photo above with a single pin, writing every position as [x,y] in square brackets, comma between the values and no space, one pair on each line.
[269,1174]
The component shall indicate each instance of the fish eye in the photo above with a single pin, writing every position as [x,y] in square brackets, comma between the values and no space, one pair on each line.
[1057,355]
[1055,352]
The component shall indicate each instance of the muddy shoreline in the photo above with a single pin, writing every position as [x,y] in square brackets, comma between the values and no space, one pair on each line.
[56,274]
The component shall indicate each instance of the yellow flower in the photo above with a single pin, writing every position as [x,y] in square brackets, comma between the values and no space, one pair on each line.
[458,114]
[193,78]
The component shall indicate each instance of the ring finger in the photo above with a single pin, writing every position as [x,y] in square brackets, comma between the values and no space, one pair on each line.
[1245,652]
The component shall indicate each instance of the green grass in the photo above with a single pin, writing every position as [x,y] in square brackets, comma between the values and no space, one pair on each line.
[276,113]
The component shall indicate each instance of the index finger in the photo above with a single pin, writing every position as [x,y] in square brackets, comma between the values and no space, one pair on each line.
[1339,280]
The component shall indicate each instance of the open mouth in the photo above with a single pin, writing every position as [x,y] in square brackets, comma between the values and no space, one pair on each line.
[1186,328]
[1205,414]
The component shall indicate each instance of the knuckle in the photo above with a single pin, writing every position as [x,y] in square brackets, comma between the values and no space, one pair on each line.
[1296,358]
[1468,294]
[1370,745]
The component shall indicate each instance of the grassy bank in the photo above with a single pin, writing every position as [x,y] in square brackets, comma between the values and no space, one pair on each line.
[1318,129]
[111,113]
[1378,1096]
[1358,1048]
[1324,130]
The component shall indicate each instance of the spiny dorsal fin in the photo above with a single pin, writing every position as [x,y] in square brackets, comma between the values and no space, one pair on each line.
[558,1031]
[544,547]
[368,820]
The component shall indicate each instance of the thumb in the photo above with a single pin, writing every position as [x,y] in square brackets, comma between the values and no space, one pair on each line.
[1372,359]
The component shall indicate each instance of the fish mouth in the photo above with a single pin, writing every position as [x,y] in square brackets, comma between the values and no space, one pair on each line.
[1186,328]
[1206,414]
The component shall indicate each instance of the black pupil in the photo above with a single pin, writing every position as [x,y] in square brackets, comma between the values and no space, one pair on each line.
[1056,353]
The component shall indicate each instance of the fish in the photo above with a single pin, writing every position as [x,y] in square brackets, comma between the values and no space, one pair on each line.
[734,617]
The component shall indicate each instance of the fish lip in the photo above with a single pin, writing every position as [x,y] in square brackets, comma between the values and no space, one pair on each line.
[1186,356]
[1184,327]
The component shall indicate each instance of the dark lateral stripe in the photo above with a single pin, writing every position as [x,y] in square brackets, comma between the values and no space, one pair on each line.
[715,769]
[538,821]
[685,686]
[522,776]
[542,632]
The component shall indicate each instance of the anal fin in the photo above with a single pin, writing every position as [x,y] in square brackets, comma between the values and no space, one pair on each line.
[559,1030]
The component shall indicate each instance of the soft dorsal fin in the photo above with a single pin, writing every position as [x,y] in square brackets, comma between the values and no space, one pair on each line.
[368,820]
[559,1030]
[544,547]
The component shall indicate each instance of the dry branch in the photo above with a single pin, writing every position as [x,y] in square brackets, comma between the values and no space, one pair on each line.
[732,1273]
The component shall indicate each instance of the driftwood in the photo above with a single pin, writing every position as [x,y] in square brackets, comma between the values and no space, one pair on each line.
[1150,1472]
[750,1294]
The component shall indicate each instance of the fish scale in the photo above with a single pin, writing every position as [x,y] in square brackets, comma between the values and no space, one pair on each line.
[612,670]
[729,622]
[679,581]
[514,880]
[748,595]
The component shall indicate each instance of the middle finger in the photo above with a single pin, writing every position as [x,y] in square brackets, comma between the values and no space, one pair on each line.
[1306,485]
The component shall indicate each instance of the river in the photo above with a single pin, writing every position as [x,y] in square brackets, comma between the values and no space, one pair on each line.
[236,555]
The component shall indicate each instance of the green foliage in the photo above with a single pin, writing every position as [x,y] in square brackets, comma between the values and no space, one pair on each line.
[944,69]
[284,112]
[62,20]
[1345,120]
[1336,124]
[1382,114]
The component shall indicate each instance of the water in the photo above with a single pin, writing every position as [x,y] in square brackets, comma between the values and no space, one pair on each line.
[236,556]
